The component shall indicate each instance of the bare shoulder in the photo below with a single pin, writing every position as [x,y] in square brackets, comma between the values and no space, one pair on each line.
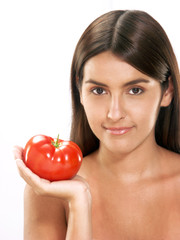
[89,165]
[171,165]
[44,217]
[173,155]
[172,158]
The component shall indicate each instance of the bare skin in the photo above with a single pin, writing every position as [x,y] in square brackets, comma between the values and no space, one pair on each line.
[134,182]
[135,207]
[44,208]
[126,208]
[131,183]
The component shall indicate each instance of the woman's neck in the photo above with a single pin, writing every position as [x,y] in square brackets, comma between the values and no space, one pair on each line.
[142,162]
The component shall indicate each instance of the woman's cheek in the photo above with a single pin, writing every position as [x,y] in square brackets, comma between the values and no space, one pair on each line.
[145,114]
[96,115]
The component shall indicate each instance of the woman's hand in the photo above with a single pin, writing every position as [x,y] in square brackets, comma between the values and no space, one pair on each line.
[66,190]
[75,191]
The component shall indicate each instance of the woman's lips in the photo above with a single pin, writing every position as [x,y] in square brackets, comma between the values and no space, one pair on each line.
[118,131]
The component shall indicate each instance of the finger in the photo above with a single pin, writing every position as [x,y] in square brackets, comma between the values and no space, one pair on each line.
[23,170]
[26,173]
[37,183]
[17,152]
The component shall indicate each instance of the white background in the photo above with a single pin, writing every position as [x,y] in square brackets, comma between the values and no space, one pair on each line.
[37,40]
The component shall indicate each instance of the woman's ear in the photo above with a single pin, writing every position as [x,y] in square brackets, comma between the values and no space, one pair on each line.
[168,94]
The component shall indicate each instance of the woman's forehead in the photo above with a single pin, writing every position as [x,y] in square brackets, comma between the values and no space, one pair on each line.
[106,65]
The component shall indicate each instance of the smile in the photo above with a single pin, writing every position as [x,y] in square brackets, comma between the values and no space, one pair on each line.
[118,131]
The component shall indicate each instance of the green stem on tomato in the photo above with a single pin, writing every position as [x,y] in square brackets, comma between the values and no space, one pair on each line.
[56,143]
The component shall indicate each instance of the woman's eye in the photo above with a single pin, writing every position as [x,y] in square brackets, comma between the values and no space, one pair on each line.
[135,91]
[98,91]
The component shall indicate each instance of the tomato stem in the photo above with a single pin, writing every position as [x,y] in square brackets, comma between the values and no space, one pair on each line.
[56,143]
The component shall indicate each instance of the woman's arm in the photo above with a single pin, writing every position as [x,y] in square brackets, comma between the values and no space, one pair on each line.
[79,222]
[44,217]
[44,200]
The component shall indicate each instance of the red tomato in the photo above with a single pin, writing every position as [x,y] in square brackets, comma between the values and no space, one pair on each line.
[52,159]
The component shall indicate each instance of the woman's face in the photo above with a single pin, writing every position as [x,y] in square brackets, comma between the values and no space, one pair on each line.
[120,102]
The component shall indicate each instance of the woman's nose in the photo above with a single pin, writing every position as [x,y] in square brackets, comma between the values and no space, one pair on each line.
[116,109]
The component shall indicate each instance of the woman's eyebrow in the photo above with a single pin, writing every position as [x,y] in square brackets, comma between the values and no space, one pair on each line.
[135,81]
[96,83]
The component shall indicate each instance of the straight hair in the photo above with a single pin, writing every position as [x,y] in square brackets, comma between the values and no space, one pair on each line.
[139,40]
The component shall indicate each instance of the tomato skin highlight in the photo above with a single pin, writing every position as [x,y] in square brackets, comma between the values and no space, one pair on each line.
[50,162]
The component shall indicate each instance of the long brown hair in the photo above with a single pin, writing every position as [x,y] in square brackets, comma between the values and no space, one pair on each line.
[139,40]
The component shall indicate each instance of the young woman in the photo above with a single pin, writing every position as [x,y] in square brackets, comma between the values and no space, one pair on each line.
[125,93]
